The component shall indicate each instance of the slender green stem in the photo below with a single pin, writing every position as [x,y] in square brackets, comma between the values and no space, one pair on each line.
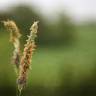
[19,92]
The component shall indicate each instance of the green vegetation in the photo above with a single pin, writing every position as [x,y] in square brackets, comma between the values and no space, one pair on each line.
[64,63]
[53,66]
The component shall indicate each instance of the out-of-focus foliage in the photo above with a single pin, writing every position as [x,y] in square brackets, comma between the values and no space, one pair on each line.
[59,70]
[61,32]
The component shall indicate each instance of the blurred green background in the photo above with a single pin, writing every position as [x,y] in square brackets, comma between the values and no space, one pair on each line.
[64,63]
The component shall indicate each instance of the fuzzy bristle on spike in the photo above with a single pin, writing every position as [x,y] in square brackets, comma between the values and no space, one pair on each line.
[22,64]
[13,29]
[14,38]
[27,55]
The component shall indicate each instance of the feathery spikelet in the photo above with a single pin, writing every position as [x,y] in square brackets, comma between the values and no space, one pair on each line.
[14,38]
[26,58]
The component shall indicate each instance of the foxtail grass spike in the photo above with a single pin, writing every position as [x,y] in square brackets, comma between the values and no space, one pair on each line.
[14,38]
[27,55]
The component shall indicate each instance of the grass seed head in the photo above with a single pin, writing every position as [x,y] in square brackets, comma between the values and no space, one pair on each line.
[14,38]
[13,29]
[27,55]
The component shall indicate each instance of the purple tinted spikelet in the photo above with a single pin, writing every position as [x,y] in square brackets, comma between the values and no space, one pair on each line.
[27,55]
[14,38]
